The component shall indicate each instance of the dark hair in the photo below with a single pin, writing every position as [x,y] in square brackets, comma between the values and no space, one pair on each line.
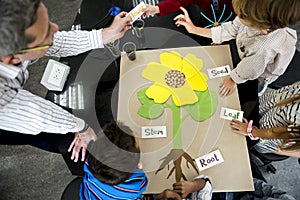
[268,14]
[115,155]
[15,17]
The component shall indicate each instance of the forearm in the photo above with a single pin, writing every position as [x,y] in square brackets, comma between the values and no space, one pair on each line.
[70,43]
[198,184]
[204,32]
[30,114]
[270,133]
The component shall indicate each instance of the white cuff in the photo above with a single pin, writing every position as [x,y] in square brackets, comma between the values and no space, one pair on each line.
[95,37]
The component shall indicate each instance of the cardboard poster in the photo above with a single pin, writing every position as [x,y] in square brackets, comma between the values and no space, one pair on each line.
[192,120]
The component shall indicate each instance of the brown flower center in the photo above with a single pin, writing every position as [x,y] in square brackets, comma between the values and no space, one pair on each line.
[175,79]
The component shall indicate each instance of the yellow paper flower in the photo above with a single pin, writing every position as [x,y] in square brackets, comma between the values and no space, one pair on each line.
[177,77]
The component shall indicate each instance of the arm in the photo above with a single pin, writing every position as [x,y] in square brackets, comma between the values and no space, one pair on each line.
[268,133]
[184,20]
[186,187]
[70,43]
[168,194]
[21,111]
[250,67]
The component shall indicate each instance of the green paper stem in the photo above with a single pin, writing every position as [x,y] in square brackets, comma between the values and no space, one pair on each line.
[177,141]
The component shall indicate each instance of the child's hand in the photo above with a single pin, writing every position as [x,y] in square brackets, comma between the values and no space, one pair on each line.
[227,87]
[183,188]
[186,187]
[184,20]
[239,127]
[168,194]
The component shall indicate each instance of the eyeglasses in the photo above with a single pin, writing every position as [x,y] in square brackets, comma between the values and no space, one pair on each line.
[46,46]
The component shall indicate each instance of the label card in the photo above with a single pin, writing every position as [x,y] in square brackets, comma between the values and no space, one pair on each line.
[137,11]
[219,71]
[229,114]
[154,131]
[209,160]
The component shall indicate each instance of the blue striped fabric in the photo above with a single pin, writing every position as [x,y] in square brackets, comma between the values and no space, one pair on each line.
[93,189]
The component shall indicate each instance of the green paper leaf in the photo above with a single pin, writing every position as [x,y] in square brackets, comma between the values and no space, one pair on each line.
[143,97]
[151,110]
[205,107]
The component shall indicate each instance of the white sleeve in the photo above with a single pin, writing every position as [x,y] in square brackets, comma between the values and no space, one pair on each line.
[24,112]
[71,43]
[226,31]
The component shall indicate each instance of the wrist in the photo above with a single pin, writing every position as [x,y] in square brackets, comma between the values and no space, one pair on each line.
[249,131]
[85,128]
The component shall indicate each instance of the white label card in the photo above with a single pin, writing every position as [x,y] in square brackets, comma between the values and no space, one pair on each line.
[229,114]
[137,11]
[154,131]
[219,71]
[209,160]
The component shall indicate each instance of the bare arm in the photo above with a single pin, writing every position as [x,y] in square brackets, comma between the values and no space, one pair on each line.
[184,20]
[269,133]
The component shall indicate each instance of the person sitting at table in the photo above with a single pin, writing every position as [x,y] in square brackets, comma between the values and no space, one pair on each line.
[27,34]
[264,42]
[111,169]
[279,130]
[208,13]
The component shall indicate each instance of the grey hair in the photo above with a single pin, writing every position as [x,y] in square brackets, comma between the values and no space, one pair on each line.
[15,17]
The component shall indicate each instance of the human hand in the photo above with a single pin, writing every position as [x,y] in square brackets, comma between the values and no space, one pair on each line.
[117,29]
[184,188]
[239,127]
[227,87]
[184,20]
[80,142]
[168,194]
[150,10]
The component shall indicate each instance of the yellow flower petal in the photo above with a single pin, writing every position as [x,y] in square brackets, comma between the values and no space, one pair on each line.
[155,72]
[191,65]
[198,82]
[184,95]
[158,93]
[196,62]
[172,59]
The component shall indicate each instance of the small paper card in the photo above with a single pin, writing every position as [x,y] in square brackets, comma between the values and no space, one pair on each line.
[209,160]
[154,131]
[219,71]
[229,114]
[137,11]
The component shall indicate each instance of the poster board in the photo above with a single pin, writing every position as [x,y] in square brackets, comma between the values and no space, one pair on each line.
[198,138]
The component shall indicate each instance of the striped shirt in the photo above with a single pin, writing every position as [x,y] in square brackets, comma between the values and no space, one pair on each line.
[93,189]
[262,55]
[24,112]
[275,116]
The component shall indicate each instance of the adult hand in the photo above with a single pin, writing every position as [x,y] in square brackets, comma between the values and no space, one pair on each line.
[184,20]
[239,127]
[150,10]
[166,194]
[80,143]
[227,87]
[117,29]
